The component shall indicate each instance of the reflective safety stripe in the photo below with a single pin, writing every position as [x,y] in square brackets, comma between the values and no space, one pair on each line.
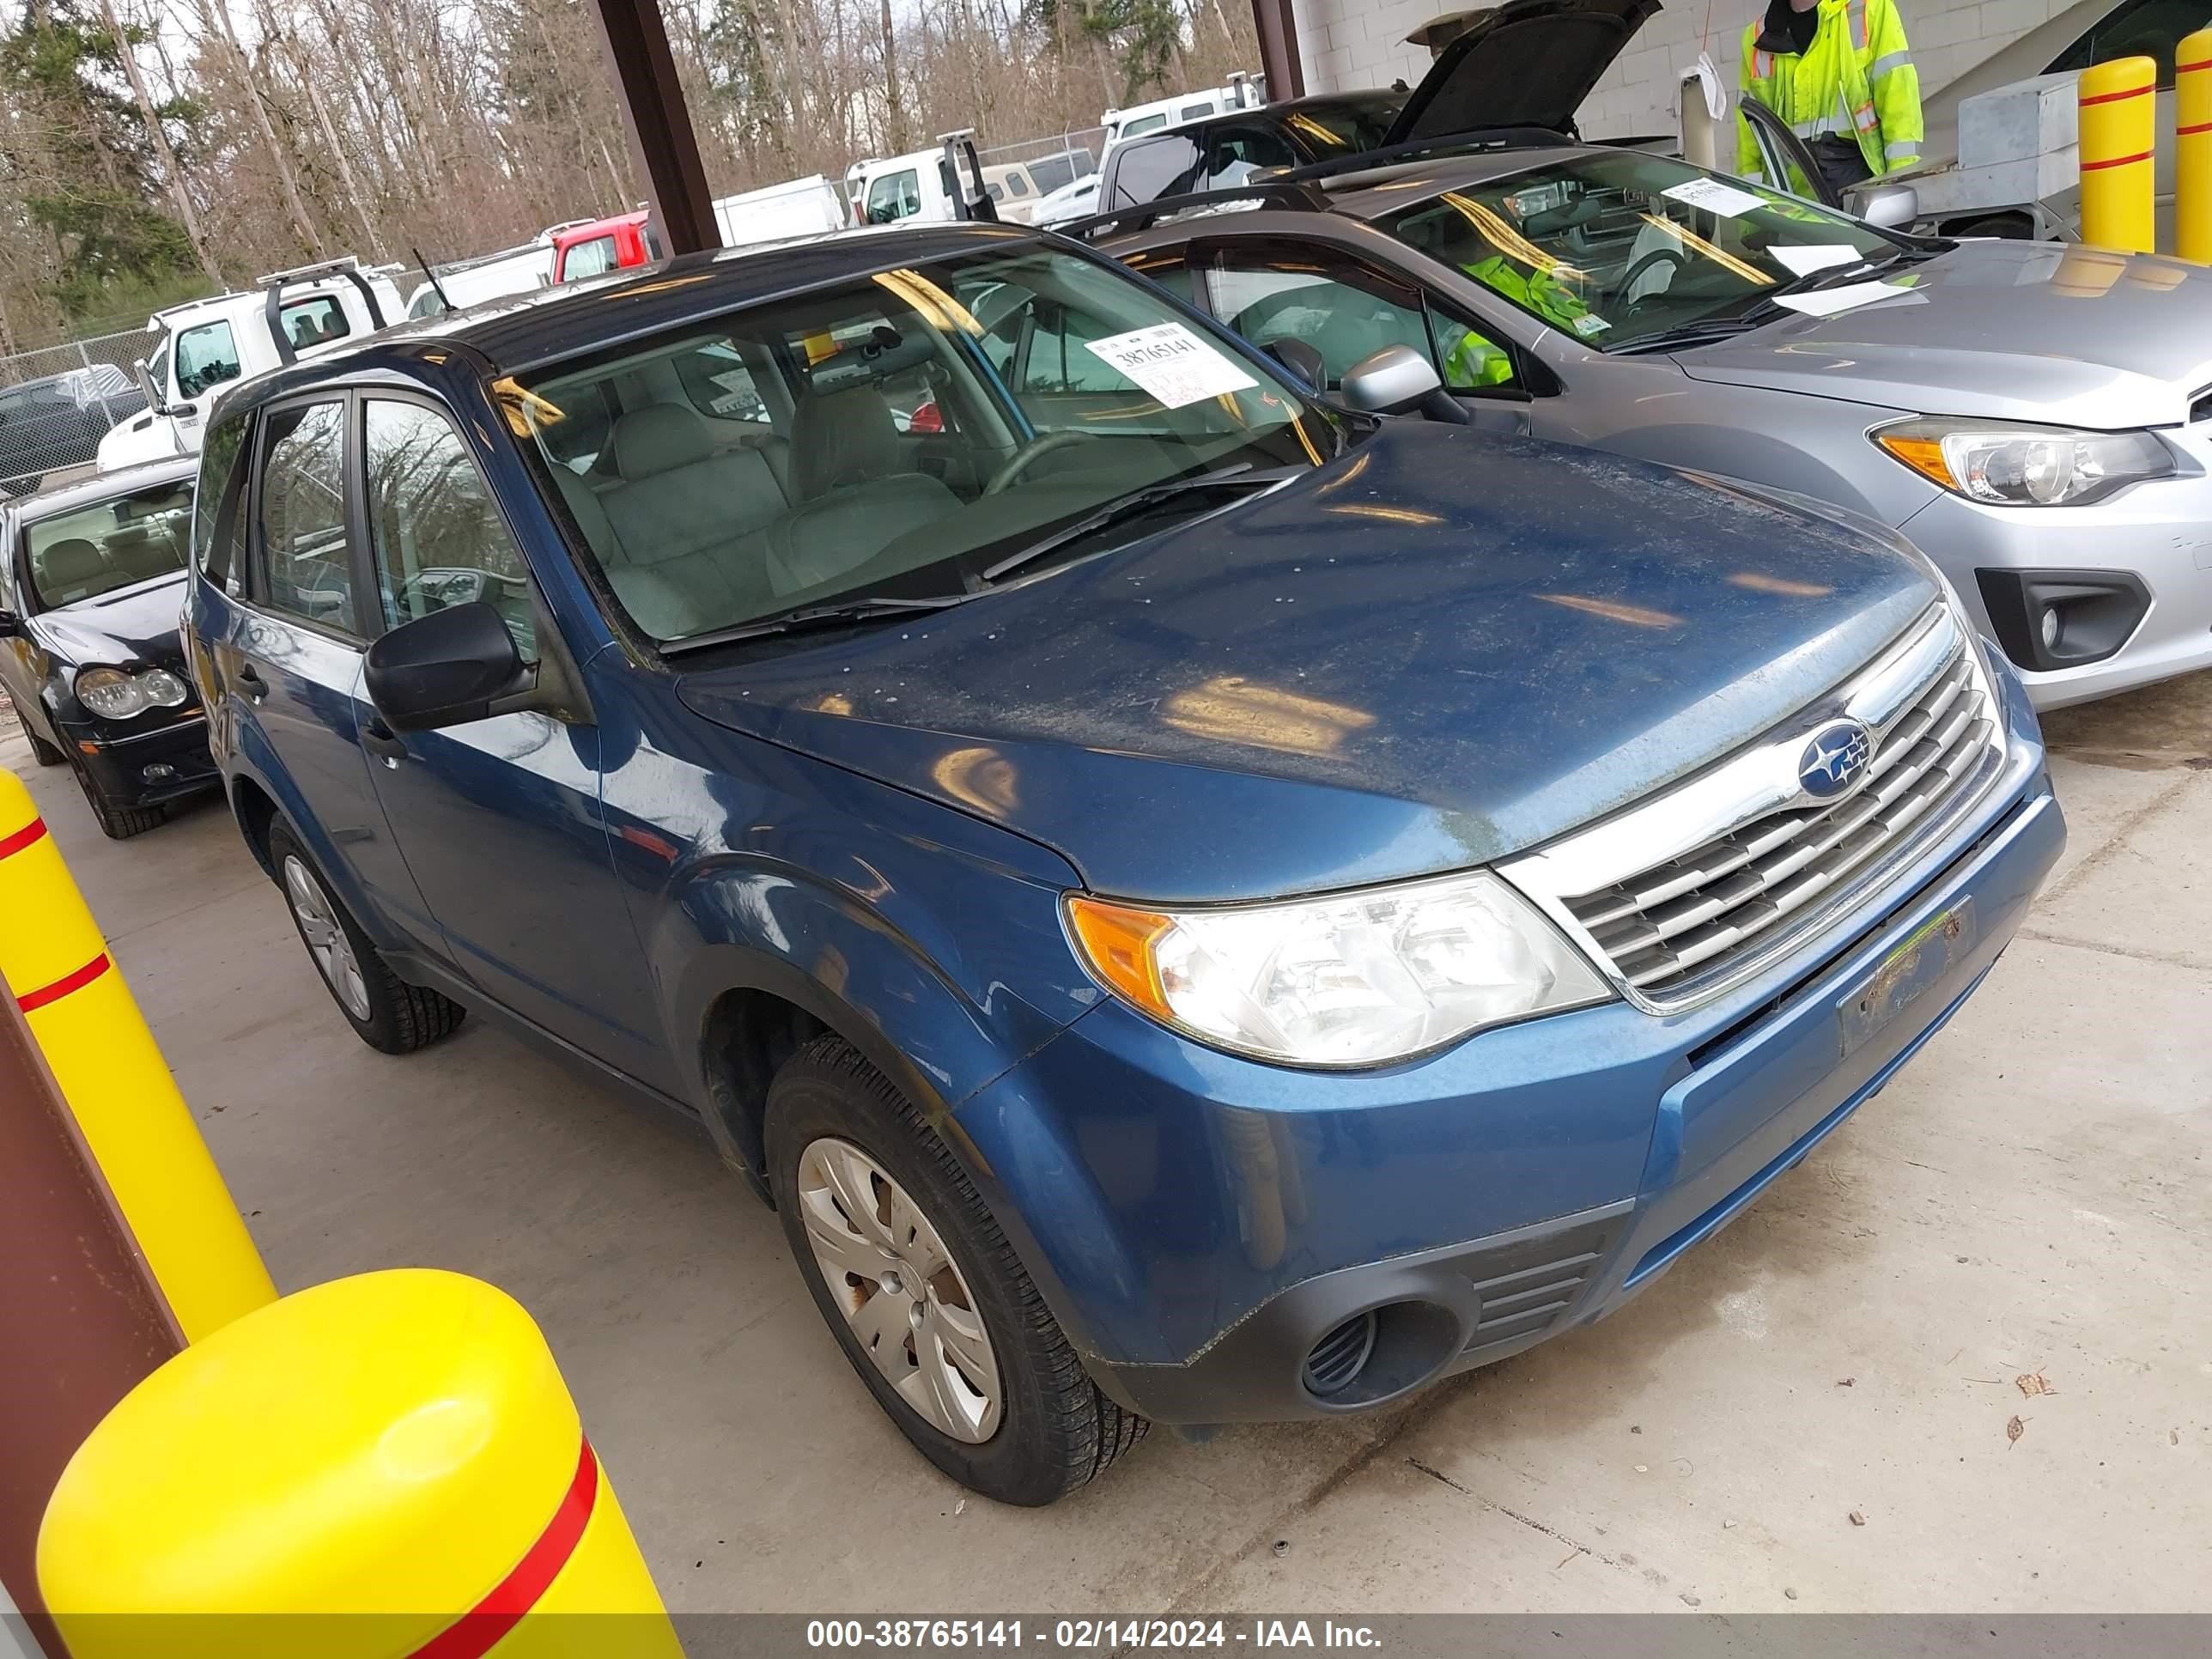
[1902,149]
[1888,61]
[1866,119]
[1762,65]
[1856,12]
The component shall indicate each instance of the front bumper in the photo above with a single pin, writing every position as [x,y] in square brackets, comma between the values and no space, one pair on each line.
[1200,1222]
[2158,532]
[146,768]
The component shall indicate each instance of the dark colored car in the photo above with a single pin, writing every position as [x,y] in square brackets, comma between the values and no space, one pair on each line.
[1195,903]
[89,652]
[48,425]
[1231,149]
[1524,68]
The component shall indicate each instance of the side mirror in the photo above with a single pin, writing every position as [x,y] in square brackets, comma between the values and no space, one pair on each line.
[144,376]
[448,668]
[1890,206]
[1303,360]
[1397,381]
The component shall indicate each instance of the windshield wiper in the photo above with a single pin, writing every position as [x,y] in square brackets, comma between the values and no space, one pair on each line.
[1138,502]
[1768,306]
[873,608]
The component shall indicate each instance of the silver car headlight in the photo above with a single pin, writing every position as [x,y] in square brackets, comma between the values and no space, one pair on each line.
[113,695]
[2010,465]
[1354,979]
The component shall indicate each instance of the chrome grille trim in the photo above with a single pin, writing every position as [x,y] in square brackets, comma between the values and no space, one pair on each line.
[1689,892]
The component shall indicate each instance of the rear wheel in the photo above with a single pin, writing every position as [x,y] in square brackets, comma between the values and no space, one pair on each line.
[386,1012]
[922,1290]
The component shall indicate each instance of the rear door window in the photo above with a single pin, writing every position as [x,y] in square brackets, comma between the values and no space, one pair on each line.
[303,567]
[218,515]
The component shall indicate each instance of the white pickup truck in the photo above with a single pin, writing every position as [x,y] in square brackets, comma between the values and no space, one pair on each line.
[202,347]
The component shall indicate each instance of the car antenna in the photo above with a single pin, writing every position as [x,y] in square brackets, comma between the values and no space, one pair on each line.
[436,286]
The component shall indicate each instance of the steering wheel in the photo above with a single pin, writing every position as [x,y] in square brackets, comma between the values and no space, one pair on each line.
[1035,450]
[1680,259]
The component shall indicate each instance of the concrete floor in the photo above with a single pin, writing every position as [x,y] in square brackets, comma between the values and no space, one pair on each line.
[2032,1195]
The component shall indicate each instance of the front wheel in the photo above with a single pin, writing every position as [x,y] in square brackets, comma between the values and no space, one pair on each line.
[41,751]
[386,1012]
[116,822]
[922,1290]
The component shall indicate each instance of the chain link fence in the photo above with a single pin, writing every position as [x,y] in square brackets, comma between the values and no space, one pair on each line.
[57,403]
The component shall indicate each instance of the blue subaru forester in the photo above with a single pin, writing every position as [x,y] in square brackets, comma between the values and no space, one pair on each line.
[1194,903]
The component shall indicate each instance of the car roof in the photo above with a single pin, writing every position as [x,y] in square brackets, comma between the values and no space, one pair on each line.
[523,331]
[103,487]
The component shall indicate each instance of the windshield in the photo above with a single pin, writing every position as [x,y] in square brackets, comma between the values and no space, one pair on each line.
[96,550]
[905,434]
[1342,126]
[1618,247]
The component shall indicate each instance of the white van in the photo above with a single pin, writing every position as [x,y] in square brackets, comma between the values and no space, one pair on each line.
[468,283]
[797,207]
[1242,92]
[202,347]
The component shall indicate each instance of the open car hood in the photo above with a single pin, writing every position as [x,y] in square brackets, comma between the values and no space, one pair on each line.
[1527,64]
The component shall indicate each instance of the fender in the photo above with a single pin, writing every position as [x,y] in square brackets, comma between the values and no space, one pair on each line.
[247,755]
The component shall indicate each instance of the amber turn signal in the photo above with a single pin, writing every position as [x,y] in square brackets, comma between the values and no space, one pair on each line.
[1116,944]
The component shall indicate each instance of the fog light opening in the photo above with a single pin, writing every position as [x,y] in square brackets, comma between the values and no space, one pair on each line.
[159,772]
[1382,1354]
[2050,625]
[1333,1364]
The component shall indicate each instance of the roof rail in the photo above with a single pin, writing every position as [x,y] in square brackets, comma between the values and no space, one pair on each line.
[1479,142]
[337,267]
[1279,191]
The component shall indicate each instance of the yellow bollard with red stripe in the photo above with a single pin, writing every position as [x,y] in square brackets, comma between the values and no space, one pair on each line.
[2192,147]
[387,1467]
[117,1086]
[2119,114]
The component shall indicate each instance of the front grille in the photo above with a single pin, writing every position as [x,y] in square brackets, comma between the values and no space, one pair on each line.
[1524,1288]
[1695,915]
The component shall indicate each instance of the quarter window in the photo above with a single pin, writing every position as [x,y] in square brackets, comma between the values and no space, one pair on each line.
[303,570]
[206,357]
[218,520]
[437,537]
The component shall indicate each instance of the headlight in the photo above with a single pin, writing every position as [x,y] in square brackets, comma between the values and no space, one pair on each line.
[115,695]
[2025,465]
[1357,979]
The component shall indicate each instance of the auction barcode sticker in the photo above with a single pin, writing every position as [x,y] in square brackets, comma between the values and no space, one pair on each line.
[1171,363]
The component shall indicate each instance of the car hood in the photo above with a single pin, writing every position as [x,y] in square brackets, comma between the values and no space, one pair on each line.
[2020,330]
[1437,650]
[135,624]
[1526,63]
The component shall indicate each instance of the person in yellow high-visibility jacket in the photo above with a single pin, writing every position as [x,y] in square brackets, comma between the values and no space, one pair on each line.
[1840,73]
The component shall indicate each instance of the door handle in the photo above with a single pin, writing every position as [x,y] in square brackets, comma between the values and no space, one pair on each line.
[252,684]
[383,742]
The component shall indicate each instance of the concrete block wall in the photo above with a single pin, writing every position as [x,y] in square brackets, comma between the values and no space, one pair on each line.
[1361,43]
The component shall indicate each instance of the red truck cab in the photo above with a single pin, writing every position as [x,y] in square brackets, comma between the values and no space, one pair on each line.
[599,244]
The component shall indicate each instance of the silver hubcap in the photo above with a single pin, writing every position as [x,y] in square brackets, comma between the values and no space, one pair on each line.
[899,1289]
[326,941]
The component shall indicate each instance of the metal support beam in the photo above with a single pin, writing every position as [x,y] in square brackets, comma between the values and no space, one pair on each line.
[78,1303]
[662,146]
[1279,49]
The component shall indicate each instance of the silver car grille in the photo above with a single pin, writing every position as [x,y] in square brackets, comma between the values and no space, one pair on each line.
[1759,863]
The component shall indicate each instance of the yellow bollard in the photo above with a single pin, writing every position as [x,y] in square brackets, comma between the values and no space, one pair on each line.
[388,1467]
[117,1087]
[2193,147]
[2118,113]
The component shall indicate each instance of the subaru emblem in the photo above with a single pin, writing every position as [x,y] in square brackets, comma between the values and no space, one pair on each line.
[1835,760]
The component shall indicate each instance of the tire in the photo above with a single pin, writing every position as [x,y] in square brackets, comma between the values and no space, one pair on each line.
[116,822]
[1047,1429]
[42,751]
[386,1012]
